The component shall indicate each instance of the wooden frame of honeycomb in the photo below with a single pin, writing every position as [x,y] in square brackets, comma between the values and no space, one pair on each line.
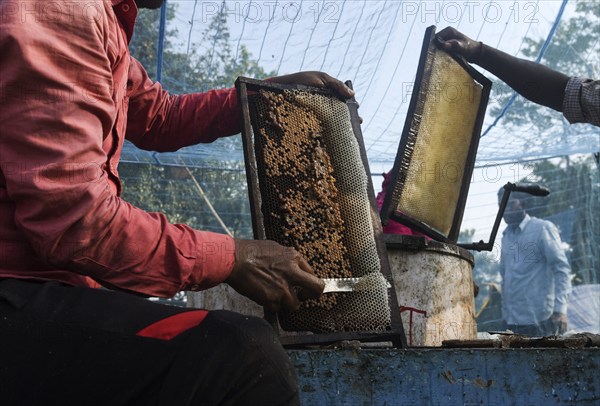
[310,188]
[436,156]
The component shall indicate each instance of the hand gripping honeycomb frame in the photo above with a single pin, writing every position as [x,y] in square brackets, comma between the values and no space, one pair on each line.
[310,188]
[433,167]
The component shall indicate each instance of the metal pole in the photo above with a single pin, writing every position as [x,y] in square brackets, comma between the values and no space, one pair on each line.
[161,40]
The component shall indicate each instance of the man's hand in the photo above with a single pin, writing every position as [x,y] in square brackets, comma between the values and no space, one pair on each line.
[272,275]
[456,42]
[316,79]
[559,321]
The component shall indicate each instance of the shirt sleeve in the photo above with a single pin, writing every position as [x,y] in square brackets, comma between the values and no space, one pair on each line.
[163,122]
[54,164]
[581,103]
[558,265]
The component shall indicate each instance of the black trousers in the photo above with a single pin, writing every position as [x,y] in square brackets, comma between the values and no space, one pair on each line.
[65,346]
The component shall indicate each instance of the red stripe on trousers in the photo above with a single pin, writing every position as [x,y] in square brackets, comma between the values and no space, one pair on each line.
[172,326]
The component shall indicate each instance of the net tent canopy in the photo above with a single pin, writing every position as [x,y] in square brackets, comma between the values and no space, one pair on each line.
[376,45]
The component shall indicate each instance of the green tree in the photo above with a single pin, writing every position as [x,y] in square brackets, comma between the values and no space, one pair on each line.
[574,184]
[573,205]
[182,192]
[173,190]
[219,66]
[144,44]
[570,52]
[184,69]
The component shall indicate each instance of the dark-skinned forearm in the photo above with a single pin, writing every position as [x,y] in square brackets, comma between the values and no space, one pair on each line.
[536,82]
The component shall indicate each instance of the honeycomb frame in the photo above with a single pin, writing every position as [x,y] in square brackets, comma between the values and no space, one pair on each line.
[415,149]
[268,134]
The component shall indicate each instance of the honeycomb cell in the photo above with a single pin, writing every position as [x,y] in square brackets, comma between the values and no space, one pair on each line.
[439,140]
[314,197]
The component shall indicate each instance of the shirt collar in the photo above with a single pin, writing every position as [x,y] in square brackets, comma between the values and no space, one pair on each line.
[524,222]
[521,225]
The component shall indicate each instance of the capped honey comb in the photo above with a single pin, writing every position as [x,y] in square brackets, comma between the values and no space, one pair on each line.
[445,128]
[314,197]
[438,147]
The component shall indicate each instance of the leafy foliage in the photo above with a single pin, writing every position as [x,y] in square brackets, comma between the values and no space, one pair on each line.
[571,52]
[173,190]
[573,206]
[574,202]
[184,69]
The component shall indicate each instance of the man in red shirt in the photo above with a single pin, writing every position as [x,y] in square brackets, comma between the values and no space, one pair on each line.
[70,94]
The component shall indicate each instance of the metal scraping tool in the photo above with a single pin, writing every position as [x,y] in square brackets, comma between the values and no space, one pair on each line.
[345,284]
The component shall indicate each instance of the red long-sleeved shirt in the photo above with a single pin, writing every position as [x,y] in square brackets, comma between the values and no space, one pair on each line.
[70,93]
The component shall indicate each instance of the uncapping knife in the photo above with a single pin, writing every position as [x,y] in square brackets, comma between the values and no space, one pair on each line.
[345,284]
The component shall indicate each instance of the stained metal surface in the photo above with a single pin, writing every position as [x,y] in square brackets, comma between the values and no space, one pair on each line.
[434,286]
[510,340]
[448,377]
[348,284]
